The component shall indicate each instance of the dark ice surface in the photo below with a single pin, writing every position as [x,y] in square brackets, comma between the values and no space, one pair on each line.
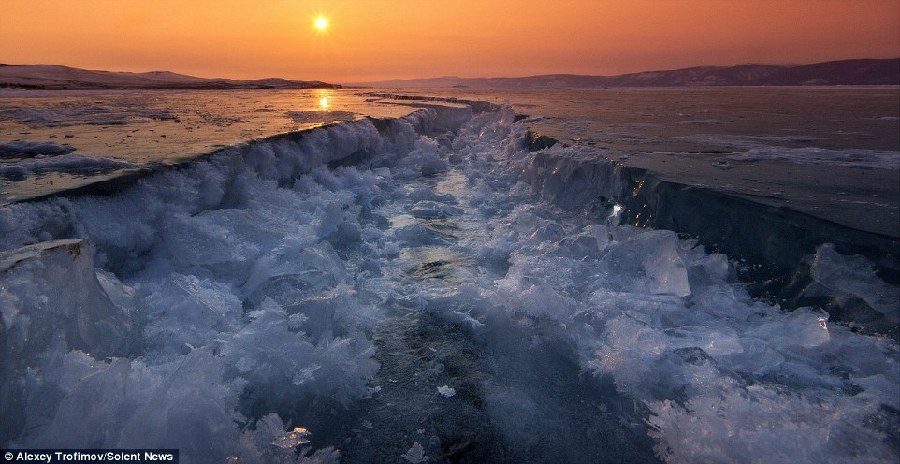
[697,136]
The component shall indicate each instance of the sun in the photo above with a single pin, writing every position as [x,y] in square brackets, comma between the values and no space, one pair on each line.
[321,23]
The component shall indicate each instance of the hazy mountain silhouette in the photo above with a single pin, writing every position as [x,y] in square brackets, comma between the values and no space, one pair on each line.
[845,72]
[65,77]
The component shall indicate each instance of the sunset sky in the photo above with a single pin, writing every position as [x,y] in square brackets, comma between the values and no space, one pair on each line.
[382,39]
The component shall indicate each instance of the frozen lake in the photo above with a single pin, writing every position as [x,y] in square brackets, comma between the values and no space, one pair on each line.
[433,284]
[89,135]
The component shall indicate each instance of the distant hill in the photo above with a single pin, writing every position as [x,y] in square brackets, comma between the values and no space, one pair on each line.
[66,78]
[846,72]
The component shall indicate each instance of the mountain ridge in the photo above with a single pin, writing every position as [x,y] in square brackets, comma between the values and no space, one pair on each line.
[841,72]
[59,77]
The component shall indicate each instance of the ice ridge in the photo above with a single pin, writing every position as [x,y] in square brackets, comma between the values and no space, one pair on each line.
[311,298]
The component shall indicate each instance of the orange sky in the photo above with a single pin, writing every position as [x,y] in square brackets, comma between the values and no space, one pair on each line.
[380,39]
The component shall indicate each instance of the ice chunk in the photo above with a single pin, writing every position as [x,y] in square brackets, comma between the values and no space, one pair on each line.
[766,418]
[415,235]
[13,173]
[415,454]
[424,160]
[28,149]
[845,278]
[186,310]
[880,389]
[269,442]
[548,231]
[294,270]
[802,327]
[433,210]
[541,300]
[72,164]
[185,239]
[648,262]
[186,404]
[50,292]
[666,270]
[446,391]
[292,439]
[332,313]
[283,366]
[588,244]
[714,341]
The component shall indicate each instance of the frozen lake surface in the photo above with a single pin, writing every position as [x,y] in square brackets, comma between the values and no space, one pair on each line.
[51,141]
[829,152]
[436,287]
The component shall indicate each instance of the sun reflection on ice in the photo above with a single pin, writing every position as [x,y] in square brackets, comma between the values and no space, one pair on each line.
[323,96]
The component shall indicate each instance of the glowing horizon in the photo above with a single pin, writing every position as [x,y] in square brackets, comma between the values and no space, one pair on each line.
[364,40]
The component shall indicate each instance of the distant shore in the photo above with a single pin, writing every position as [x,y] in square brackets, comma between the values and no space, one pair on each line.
[861,72]
[844,72]
[55,77]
